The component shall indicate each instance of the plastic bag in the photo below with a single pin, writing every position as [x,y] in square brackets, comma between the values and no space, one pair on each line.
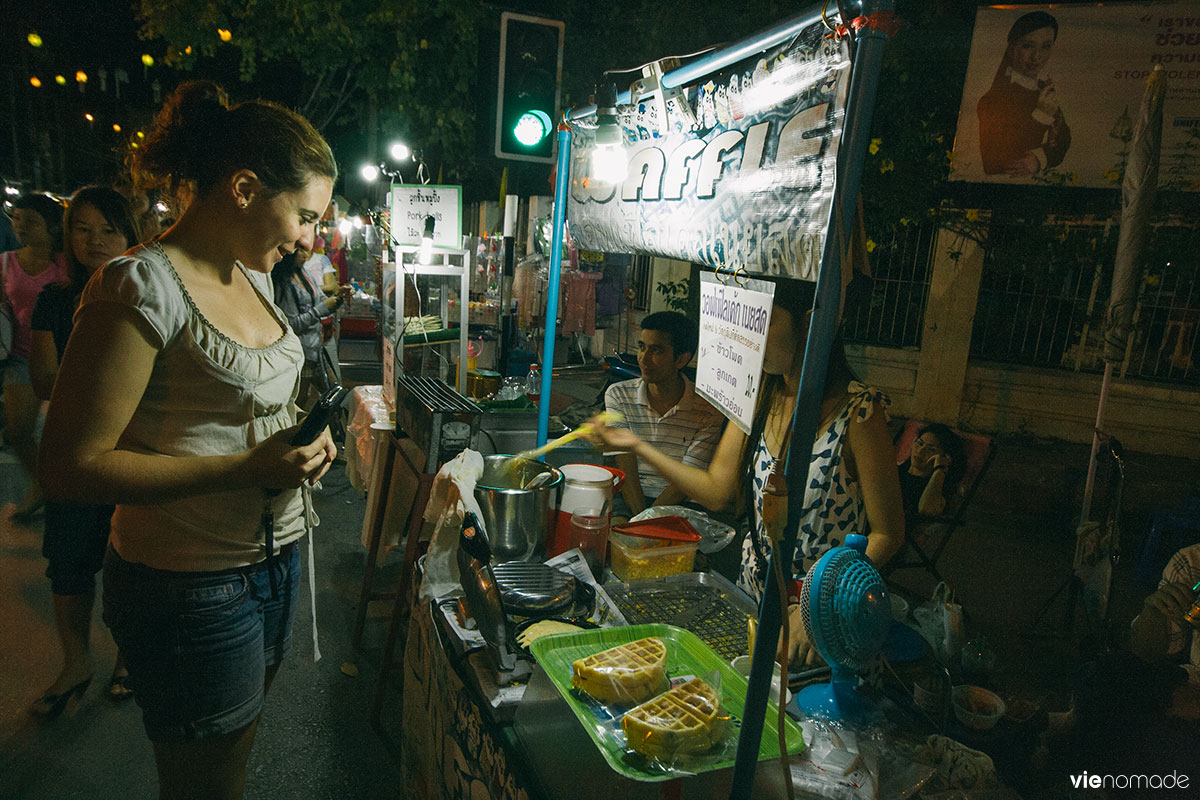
[452,496]
[714,535]
[369,408]
[959,768]
[940,622]
[678,729]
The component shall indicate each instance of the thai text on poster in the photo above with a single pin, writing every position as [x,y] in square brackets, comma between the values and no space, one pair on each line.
[412,204]
[734,319]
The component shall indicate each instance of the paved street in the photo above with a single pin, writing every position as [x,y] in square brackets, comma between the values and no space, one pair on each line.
[314,740]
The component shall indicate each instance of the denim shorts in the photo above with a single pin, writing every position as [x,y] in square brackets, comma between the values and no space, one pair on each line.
[197,644]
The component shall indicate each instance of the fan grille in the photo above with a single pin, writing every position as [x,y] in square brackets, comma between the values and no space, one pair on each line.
[852,612]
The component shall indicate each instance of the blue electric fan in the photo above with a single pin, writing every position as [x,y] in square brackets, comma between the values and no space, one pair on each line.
[847,615]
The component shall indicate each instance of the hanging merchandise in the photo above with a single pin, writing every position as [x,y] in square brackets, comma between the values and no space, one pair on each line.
[495,260]
[479,274]
[529,291]
[579,302]
[610,292]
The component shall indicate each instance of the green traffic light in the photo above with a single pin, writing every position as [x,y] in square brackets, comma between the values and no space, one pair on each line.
[532,127]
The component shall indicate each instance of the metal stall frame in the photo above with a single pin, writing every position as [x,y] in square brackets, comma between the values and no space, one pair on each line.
[864,80]
[445,269]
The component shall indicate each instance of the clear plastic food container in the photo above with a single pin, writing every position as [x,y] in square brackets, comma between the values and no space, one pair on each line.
[648,551]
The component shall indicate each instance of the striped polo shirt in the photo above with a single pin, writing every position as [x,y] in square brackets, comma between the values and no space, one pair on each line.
[689,432]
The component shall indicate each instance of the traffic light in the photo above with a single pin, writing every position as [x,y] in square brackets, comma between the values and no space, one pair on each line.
[527,95]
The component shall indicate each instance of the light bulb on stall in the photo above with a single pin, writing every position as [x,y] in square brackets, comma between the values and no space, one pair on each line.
[425,255]
[345,226]
[609,162]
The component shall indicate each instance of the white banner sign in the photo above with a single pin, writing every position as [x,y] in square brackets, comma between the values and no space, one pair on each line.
[1052,93]
[411,204]
[733,336]
[741,173]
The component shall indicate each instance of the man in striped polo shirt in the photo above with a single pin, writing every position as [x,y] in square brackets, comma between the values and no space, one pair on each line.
[662,407]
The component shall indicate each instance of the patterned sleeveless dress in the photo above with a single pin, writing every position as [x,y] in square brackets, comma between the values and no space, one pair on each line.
[833,504]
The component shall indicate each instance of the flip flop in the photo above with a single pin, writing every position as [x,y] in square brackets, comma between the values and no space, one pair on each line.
[117,689]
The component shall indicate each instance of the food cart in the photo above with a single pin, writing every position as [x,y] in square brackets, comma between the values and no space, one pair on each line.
[489,713]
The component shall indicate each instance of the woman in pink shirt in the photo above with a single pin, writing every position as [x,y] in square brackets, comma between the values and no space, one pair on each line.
[37,220]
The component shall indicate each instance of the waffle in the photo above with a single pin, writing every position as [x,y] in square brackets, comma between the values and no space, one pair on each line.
[684,719]
[627,674]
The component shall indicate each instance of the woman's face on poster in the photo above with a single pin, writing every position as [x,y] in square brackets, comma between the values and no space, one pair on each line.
[1030,54]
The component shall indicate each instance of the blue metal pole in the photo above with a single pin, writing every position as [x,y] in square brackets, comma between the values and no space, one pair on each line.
[561,182]
[864,82]
[719,59]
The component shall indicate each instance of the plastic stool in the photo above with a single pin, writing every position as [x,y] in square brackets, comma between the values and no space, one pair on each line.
[1170,531]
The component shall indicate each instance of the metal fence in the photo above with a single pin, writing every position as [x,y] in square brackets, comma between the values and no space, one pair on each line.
[1044,293]
[1043,296]
[889,309]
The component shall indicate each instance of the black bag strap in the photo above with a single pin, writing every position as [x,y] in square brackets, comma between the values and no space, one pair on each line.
[4,274]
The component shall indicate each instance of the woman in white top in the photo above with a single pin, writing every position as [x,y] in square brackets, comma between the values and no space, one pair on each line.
[851,477]
[175,402]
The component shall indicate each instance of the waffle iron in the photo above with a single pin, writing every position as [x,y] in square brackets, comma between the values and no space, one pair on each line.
[531,589]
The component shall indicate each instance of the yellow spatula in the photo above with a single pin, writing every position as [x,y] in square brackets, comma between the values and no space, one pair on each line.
[607,417]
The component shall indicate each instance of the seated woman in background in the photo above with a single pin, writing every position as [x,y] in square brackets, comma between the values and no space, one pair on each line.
[934,467]
[851,476]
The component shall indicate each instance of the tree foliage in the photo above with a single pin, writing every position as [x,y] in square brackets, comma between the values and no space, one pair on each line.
[411,64]
[916,112]
[416,69]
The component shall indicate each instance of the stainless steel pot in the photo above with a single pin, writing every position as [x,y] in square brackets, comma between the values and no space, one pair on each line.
[517,520]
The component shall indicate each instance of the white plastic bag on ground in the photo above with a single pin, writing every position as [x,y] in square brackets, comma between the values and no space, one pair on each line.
[452,496]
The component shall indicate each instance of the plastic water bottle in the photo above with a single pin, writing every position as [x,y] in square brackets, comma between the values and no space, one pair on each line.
[533,384]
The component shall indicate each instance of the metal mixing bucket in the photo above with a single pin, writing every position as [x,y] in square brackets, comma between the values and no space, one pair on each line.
[517,520]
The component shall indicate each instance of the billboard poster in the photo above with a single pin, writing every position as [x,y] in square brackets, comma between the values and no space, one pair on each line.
[740,174]
[1052,93]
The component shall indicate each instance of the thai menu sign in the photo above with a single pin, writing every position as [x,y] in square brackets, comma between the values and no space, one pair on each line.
[1052,93]
[739,173]
[412,203]
[734,319]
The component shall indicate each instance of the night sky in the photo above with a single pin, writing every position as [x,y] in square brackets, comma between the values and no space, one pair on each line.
[45,139]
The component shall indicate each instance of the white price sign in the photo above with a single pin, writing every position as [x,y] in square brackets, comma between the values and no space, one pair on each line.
[734,319]
[411,204]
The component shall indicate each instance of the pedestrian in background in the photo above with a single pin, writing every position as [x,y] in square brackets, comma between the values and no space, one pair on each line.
[99,226]
[38,222]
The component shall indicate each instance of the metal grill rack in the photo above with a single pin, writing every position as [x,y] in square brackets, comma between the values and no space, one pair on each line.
[704,603]
[423,408]
[437,396]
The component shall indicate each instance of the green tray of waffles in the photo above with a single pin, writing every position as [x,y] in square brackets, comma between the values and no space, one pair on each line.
[686,655]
